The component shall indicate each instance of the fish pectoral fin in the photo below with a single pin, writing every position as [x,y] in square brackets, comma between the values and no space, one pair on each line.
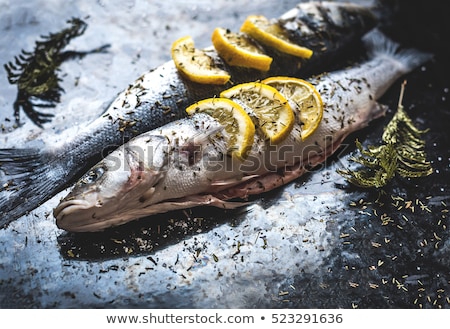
[222,184]
[378,110]
[265,183]
[190,202]
[194,147]
[375,110]
[210,200]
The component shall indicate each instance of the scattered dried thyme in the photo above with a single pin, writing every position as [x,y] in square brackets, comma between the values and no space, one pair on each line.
[402,153]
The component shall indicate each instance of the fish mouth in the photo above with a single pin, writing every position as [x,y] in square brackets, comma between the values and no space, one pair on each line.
[67,207]
[65,211]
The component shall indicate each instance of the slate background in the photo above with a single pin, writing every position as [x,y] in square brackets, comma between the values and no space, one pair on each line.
[316,243]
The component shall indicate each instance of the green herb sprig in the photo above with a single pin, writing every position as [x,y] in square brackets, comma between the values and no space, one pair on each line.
[36,73]
[402,153]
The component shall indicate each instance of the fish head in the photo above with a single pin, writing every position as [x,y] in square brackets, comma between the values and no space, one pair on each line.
[109,193]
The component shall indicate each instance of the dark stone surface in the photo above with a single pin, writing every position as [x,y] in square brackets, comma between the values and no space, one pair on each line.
[316,243]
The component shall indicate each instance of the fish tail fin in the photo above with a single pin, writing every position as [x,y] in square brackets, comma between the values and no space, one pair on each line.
[25,181]
[379,45]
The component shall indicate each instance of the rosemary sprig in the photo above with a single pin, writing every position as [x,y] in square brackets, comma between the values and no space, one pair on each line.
[402,153]
[35,73]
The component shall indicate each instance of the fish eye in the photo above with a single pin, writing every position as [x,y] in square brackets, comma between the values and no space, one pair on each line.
[93,175]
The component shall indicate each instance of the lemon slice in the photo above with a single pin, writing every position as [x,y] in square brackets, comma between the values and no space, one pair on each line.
[274,115]
[235,120]
[237,49]
[195,64]
[304,98]
[272,35]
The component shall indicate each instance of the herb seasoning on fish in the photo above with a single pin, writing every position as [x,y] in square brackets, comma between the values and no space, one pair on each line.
[150,175]
[31,176]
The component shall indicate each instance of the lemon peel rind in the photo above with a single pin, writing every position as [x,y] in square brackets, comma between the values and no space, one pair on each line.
[270,40]
[193,70]
[235,55]
[282,126]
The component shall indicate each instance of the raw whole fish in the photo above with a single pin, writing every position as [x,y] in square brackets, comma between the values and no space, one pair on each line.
[28,177]
[153,172]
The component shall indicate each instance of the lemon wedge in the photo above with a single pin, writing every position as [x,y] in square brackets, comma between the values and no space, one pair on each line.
[274,115]
[237,49]
[235,120]
[195,64]
[272,35]
[303,98]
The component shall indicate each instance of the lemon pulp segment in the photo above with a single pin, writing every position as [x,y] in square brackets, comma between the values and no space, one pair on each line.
[272,35]
[237,49]
[195,64]
[274,115]
[236,122]
[304,99]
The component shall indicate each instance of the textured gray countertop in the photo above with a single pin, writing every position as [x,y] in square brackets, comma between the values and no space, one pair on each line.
[317,242]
